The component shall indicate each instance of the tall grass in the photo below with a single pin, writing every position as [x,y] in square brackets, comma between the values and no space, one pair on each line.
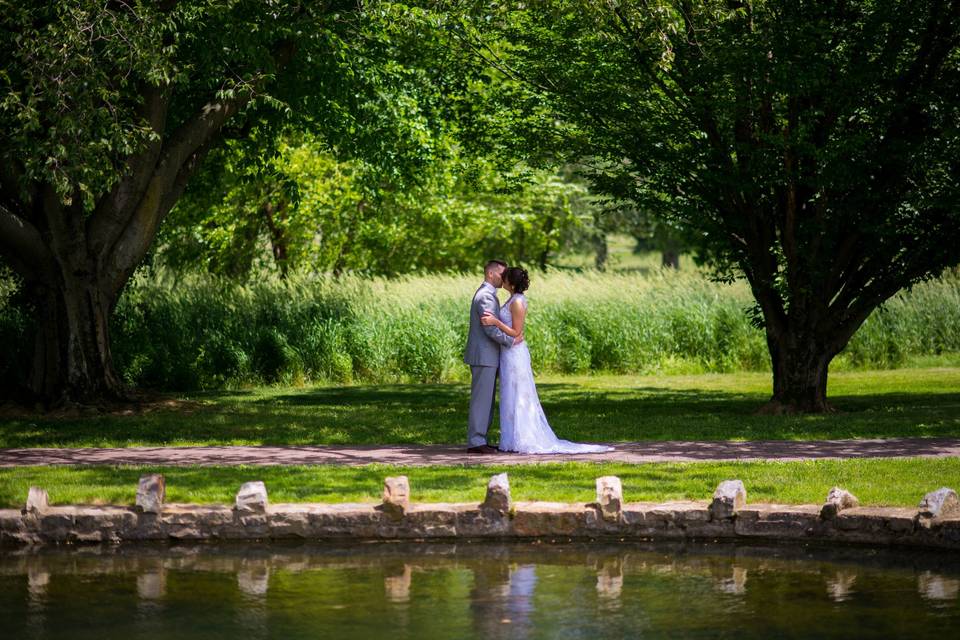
[201,332]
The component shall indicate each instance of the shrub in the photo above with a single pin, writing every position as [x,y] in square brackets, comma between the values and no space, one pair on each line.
[195,331]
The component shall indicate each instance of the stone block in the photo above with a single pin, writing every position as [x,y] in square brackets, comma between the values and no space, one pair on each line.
[941,503]
[396,496]
[344,521]
[57,526]
[777,521]
[498,494]
[431,521]
[610,497]
[536,519]
[252,498]
[480,523]
[289,522]
[729,497]
[837,500]
[151,492]
[38,502]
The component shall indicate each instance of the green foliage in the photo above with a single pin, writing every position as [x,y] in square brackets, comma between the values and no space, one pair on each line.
[303,209]
[14,325]
[923,320]
[809,148]
[711,114]
[201,331]
[73,87]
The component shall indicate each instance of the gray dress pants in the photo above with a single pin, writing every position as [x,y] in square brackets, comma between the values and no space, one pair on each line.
[483,391]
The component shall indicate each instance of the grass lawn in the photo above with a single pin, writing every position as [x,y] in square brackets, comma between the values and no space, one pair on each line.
[875,481]
[902,402]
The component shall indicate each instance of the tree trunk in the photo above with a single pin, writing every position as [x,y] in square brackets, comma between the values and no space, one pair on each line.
[278,239]
[602,251]
[800,364]
[72,361]
[545,254]
[670,259]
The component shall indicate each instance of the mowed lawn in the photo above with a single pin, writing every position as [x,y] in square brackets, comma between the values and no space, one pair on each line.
[902,402]
[880,482]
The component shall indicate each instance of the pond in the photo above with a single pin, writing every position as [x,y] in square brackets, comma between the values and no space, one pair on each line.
[478,590]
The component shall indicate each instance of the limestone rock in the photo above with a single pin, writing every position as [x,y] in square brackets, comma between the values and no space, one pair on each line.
[396,496]
[151,492]
[939,504]
[498,494]
[252,497]
[729,497]
[38,502]
[837,500]
[610,497]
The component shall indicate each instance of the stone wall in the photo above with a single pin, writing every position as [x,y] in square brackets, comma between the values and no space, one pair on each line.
[935,523]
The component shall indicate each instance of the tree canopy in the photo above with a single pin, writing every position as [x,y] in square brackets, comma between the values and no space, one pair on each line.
[108,109]
[809,147]
[303,209]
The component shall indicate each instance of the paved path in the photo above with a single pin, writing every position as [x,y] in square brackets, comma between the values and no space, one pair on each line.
[418,455]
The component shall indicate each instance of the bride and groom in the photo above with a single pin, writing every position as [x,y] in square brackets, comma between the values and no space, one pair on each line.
[496,347]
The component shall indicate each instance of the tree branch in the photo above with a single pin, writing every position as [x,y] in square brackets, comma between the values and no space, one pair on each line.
[115,210]
[177,162]
[22,246]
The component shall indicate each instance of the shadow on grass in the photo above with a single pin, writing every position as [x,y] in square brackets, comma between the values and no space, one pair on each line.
[437,413]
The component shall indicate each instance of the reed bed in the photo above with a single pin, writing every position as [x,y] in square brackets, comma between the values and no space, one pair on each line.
[185,332]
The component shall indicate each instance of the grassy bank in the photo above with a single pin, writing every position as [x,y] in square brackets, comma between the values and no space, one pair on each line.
[880,482]
[901,402]
[193,332]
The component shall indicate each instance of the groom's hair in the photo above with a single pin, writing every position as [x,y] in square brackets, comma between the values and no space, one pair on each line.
[493,263]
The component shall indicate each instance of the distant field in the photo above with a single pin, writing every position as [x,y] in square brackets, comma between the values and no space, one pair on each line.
[192,332]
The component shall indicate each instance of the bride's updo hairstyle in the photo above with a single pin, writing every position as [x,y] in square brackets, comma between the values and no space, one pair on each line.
[518,279]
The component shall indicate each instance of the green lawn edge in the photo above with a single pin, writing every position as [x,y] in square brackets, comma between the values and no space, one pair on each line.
[876,482]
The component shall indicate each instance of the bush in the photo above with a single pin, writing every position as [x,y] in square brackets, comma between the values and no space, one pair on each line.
[196,331]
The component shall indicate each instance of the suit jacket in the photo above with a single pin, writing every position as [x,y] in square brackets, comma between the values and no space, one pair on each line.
[484,341]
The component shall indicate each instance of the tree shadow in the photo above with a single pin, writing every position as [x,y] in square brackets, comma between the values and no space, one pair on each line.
[437,413]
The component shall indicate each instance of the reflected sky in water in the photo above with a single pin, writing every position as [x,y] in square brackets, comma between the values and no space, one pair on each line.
[486,591]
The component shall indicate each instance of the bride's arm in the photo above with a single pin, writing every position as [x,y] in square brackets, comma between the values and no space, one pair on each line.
[519,315]
[519,312]
[490,319]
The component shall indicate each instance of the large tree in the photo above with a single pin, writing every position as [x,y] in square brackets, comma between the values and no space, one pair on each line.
[811,147]
[107,109]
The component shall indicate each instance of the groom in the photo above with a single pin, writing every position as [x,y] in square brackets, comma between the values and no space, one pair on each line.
[483,356]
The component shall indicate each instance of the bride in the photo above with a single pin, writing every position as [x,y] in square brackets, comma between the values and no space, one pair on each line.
[523,425]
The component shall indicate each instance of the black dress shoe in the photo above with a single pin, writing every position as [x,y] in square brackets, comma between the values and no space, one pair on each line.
[483,448]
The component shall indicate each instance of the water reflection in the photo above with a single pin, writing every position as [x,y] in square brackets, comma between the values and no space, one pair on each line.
[152,585]
[736,583]
[37,582]
[474,591]
[254,580]
[610,583]
[840,586]
[396,586]
[938,587]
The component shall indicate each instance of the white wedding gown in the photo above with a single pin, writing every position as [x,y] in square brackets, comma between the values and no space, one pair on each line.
[523,425]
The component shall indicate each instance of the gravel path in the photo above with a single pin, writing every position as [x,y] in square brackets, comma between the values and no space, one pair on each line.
[419,455]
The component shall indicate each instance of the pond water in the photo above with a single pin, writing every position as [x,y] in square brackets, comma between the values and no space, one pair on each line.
[476,591]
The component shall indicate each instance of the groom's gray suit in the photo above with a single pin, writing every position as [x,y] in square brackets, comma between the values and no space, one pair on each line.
[483,356]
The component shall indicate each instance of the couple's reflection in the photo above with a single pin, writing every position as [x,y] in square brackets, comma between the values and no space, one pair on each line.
[501,599]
